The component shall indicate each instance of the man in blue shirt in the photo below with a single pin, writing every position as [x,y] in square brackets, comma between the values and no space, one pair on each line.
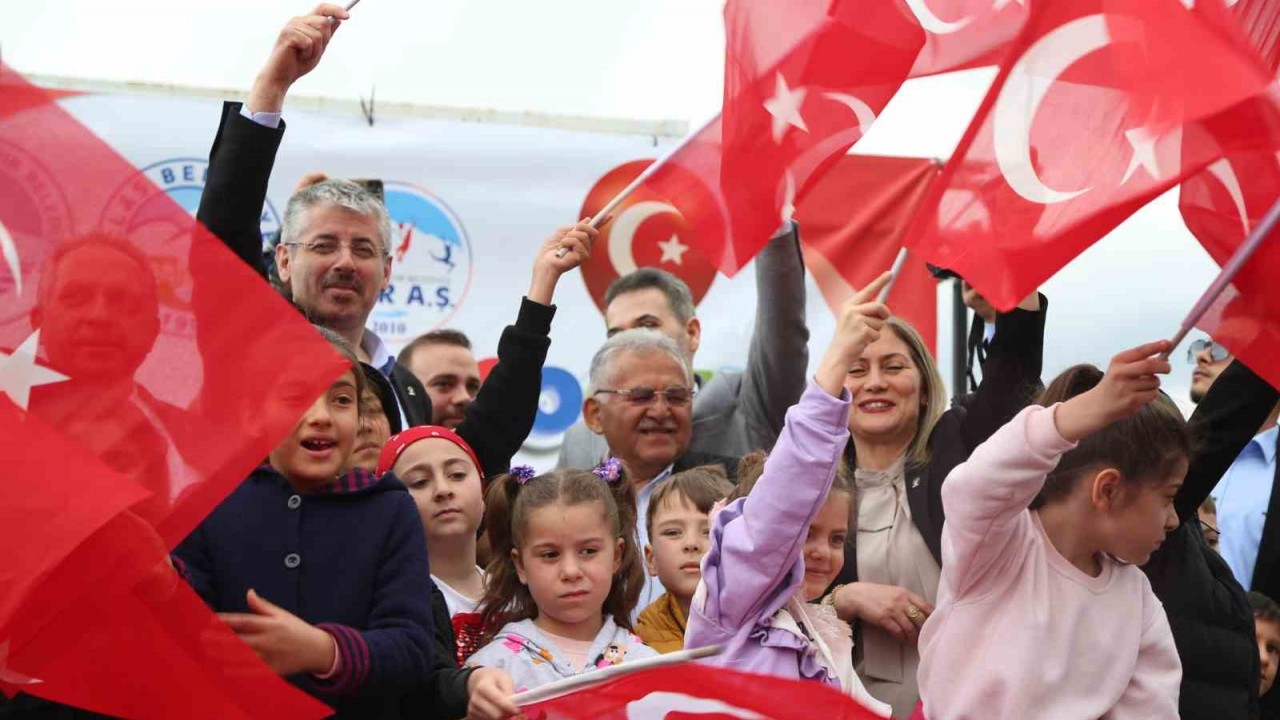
[1243,496]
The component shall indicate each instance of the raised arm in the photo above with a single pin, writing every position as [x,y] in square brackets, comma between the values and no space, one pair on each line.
[244,150]
[1011,372]
[500,419]
[754,565]
[1224,422]
[778,357]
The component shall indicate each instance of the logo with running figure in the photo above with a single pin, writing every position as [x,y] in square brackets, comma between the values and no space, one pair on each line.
[431,265]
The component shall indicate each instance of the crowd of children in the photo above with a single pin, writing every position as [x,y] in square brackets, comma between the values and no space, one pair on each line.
[319,561]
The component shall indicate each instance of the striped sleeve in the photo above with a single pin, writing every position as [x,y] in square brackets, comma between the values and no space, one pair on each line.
[352,661]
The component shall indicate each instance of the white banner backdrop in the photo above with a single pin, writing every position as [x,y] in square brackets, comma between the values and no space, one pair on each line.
[471,202]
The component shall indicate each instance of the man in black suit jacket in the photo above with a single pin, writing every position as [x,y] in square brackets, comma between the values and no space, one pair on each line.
[334,256]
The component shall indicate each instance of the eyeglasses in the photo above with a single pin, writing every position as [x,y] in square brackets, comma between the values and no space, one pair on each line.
[676,396]
[1210,532]
[1217,353]
[360,249]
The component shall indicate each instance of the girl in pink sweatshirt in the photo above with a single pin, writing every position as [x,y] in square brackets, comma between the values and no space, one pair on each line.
[1042,611]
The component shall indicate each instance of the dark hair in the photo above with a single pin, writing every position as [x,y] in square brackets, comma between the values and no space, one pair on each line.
[377,383]
[1264,608]
[509,504]
[1147,446]
[445,336]
[701,486]
[344,349]
[751,468]
[679,298]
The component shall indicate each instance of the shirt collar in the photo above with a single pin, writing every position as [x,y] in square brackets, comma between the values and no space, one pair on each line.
[1267,443]
[379,355]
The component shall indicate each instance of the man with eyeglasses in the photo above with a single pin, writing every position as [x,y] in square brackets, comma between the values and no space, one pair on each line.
[640,400]
[334,257]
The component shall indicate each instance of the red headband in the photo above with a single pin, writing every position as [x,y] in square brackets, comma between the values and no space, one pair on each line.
[400,442]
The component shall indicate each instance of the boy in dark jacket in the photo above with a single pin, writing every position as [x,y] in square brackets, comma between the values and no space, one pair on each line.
[325,576]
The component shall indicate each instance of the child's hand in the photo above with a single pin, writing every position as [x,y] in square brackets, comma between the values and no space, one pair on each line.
[1129,384]
[858,324]
[575,241]
[489,693]
[283,640]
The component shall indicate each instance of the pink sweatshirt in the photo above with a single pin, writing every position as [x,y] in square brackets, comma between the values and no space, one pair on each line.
[1020,632]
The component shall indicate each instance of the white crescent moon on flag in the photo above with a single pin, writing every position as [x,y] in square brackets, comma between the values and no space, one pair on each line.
[1226,174]
[866,116]
[624,231]
[656,705]
[1019,100]
[932,23]
[10,252]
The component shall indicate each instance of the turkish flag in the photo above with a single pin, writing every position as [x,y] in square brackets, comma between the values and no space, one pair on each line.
[1225,201]
[701,691]
[964,34]
[803,81]
[116,312]
[1091,116]
[854,219]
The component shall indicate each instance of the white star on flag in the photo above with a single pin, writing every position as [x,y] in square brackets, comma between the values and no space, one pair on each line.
[19,372]
[1144,153]
[673,251]
[784,106]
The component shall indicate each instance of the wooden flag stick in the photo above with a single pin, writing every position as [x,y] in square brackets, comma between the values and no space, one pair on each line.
[898,262]
[1237,261]
[351,4]
[577,682]
[641,178]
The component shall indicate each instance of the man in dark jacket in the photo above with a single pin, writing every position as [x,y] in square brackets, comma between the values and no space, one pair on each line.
[1208,611]
[334,255]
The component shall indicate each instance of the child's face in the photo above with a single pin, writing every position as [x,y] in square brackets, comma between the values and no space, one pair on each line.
[321,442]
[373,433]
[446,487]
[1143,516]
[1268,651]
[680,537]
[824,549]
[567,560]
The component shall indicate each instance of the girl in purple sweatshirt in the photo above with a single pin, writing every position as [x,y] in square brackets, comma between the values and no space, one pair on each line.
[1042,611]
[777,549]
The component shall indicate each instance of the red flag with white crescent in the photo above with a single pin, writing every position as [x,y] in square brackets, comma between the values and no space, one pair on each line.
[965,34]
[1092,116]
[117,312]
[803,81]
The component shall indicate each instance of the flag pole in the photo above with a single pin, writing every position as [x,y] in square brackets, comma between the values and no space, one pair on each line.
[898,262]
[641,178]
[351,4]
[577,682]
[1237,261]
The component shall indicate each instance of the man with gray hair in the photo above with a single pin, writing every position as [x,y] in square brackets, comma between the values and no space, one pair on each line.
[734,413]
[334,257]
[640,401]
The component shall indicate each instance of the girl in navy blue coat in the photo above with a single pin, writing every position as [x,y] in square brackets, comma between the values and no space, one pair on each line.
[324,575]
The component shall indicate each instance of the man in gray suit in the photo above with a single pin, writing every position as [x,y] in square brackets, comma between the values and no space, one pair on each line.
[735,412]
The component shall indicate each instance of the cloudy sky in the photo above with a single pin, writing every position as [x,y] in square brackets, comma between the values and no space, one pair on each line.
[643,59]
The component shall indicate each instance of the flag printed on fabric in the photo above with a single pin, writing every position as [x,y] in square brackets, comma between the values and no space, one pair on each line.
[854,220]
[1223,203]
[117,311]
[965,34]
[1091,116]
[694,691]
[803,81]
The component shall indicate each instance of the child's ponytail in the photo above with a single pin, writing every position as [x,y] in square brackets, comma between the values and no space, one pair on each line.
[1148,445]
[503,589]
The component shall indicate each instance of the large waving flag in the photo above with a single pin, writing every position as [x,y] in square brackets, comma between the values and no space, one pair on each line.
[116,311]
[803,81]
[1091,116]
[1229,198]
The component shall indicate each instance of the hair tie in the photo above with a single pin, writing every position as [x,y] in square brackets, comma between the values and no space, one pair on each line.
[609,470]
[522,473]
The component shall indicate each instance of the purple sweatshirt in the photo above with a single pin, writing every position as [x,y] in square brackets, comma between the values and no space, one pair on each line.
[754,566]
